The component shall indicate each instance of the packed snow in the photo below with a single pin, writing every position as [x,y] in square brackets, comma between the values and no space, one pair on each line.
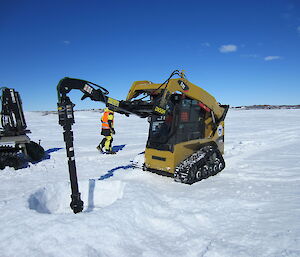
[251,208]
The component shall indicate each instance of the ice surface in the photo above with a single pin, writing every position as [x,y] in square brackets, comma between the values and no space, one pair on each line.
[252,208]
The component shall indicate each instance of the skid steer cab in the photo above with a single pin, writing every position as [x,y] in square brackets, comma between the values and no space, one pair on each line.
[186,126]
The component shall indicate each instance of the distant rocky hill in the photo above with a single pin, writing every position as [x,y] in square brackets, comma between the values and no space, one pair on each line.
[44,113]
[266,106]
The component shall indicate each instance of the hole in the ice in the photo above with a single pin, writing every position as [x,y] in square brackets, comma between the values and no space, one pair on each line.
[55,198]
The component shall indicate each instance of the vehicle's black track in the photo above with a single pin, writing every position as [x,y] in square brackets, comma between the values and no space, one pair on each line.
[206,162]
[9,157]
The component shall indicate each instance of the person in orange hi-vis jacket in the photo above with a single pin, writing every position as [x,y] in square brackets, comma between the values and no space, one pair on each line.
[107,131]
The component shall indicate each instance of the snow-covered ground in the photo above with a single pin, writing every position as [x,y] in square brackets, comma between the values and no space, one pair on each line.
[252,208]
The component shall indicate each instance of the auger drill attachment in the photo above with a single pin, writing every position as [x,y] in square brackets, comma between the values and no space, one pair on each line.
[13,135]
[66,120]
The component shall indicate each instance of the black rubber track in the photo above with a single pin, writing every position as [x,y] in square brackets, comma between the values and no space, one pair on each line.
[206,162]
[9,157]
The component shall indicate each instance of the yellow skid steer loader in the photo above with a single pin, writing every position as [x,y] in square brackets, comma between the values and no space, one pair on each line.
[186,126]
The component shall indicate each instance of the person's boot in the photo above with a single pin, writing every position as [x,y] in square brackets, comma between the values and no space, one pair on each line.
[99,148]
[110,152]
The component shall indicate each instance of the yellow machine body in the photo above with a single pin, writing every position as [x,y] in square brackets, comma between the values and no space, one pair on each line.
[167,161]
[212,120]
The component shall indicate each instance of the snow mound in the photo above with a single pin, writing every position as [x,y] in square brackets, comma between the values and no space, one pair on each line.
[55,198]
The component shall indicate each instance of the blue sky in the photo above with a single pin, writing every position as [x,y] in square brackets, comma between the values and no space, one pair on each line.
[242,52]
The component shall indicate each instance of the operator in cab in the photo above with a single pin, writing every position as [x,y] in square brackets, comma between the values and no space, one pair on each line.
[107,131]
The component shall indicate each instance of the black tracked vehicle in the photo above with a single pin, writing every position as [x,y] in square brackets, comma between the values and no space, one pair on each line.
[16,148]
